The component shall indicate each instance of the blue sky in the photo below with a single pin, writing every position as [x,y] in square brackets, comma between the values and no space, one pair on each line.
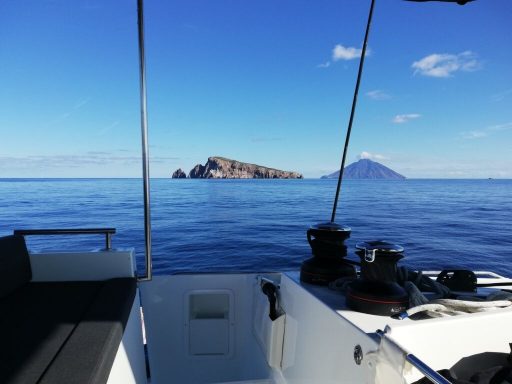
[267,82]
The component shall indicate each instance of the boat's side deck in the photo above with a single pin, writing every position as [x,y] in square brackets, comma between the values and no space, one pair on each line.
[371,323]
[439,342]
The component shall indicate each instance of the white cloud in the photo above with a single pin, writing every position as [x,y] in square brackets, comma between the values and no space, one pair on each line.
[81,103]
[400,119]
[487,131]
[448,165]
[500,127]
[474,135]
[265,139]
[340,52]
[108,128]
[371,156]
[502,95]
[445,64]
[327,64]
[64,116]
[377,94]
[79,160]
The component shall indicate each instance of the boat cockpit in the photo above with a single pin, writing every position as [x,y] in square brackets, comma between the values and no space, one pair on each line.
[82,316]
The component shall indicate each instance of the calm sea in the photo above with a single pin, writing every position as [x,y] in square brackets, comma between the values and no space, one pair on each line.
[255,225]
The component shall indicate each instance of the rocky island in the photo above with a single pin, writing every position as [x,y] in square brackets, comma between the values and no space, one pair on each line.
[221,168]
[179,174]
[367,169]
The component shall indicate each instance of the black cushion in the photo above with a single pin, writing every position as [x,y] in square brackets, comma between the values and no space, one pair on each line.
[14,264]
[63,332]
[88,355]
[36,321]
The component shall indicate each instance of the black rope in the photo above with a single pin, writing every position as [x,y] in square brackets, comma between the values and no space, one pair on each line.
[352,112]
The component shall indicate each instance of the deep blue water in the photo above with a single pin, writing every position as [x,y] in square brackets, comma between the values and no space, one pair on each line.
[255,225]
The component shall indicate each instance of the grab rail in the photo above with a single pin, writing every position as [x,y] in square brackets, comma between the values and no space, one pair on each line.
[108,232]
[431,374]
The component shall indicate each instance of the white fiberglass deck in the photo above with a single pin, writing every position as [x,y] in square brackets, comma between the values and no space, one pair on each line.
[310,353]
[370,323]
[208,329]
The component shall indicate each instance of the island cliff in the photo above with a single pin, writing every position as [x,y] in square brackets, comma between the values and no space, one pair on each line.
[367,169]
[222,168]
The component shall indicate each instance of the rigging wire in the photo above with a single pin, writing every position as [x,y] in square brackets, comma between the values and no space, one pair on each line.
[145,145]
[352,112]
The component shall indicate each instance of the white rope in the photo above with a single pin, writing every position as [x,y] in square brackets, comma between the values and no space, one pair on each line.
[473,306]
[450,307]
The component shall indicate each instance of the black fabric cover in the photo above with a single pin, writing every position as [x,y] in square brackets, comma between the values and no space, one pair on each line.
[36,321]
[87,356]
[63,332]
[14,264]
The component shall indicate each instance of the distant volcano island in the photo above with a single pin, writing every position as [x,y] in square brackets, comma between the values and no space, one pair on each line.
[222,168]
[368,170]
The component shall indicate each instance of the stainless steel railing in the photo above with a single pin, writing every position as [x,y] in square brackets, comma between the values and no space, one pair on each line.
[421,366]
[108,232]
[429,373]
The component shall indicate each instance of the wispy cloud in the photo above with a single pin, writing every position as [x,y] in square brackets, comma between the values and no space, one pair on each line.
[470,135]
[500,127]
[59,118]
[443,167]
[87,159]
[502,95]
[446,64]
[377,94]
[400,119]
[80,103]
[340,52]
[327,64]
[126,150]
[108,128]
[63,116]
[485,132]
[265,139]
[371,156]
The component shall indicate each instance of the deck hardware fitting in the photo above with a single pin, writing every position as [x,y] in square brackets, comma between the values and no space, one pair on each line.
[358,354]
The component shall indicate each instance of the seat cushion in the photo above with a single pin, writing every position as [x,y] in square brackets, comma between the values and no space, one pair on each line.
[36,321]
[63,332]
[88,355]
[14,264]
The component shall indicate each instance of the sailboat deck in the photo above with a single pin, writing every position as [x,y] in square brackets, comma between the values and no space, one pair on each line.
[368,323]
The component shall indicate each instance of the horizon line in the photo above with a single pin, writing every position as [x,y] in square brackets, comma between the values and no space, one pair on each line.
[304,178]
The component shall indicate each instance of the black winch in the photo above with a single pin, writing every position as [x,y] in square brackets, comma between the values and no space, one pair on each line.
[327,241]
[377,291]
